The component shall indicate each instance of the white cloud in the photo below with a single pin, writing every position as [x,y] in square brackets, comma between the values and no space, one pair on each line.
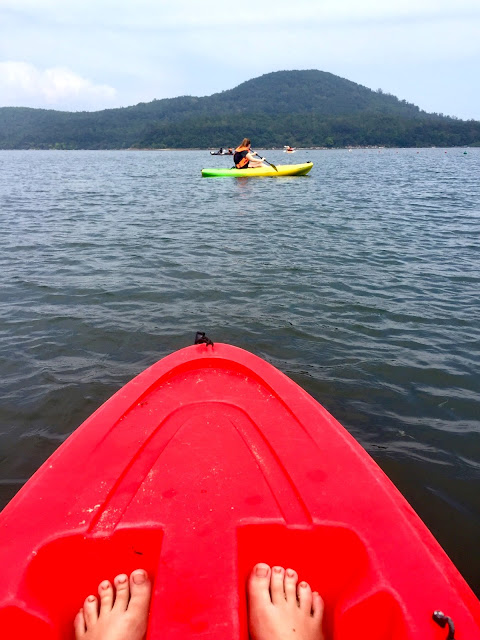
[23,85]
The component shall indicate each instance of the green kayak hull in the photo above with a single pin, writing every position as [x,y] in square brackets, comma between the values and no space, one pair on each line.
[260,172]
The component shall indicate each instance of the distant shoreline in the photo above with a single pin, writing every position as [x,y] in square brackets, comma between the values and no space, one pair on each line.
[359,148]
[302,107]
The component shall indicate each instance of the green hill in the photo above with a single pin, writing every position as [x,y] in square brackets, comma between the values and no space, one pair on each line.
[303,108]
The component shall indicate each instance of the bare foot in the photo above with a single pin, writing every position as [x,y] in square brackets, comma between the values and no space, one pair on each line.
[123,612]
[281,609]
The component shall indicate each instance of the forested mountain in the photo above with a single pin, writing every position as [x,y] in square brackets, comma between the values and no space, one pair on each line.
[301,108]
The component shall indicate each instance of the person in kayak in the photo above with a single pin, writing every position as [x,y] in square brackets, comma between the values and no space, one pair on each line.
[279,608]
[244,158]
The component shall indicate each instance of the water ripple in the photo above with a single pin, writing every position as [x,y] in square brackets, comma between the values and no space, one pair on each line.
[359,281]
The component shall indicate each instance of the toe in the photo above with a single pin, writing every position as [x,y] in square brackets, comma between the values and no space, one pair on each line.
[90,611]
[317,605]
[277,589]
[122,594]
[140,592]
[79,625]
[105,591]
[258,587]
[291,579]
[304,594]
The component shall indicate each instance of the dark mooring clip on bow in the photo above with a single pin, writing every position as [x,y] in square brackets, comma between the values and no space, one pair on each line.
[201,338]
[443,620]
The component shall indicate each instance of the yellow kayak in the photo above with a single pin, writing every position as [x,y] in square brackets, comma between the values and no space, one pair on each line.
[260,172]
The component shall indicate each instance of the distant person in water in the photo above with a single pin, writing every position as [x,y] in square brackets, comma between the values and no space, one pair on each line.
[278,607]
[244,158]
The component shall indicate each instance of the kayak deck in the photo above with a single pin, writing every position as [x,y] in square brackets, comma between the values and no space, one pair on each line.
[260,172]
[209,461]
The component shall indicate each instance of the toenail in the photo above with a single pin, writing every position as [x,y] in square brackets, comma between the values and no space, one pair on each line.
[261,572]
[278,569]
[91,598]
[122,579]
[139,578]
[105,584]
[303,585]
[290,573]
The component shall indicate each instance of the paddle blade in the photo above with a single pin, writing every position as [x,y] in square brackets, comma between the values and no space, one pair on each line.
[272,165]
[269,163]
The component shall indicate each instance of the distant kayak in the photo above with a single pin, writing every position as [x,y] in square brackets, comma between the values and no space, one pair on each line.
[223,153]
[260,172]
[209,461]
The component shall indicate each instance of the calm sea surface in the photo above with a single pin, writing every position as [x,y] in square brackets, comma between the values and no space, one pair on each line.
[361,281]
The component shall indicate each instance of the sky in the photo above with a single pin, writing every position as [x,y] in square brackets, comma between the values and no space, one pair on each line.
[78,55]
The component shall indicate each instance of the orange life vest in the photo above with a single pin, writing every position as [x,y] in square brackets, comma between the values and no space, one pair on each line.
[240,158]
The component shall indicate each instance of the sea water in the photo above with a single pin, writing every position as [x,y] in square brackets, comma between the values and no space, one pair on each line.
[361,281]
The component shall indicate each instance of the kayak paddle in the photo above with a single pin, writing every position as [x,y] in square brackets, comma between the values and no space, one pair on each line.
[272,165]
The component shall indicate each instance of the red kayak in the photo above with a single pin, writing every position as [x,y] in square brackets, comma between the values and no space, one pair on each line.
[209,461]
